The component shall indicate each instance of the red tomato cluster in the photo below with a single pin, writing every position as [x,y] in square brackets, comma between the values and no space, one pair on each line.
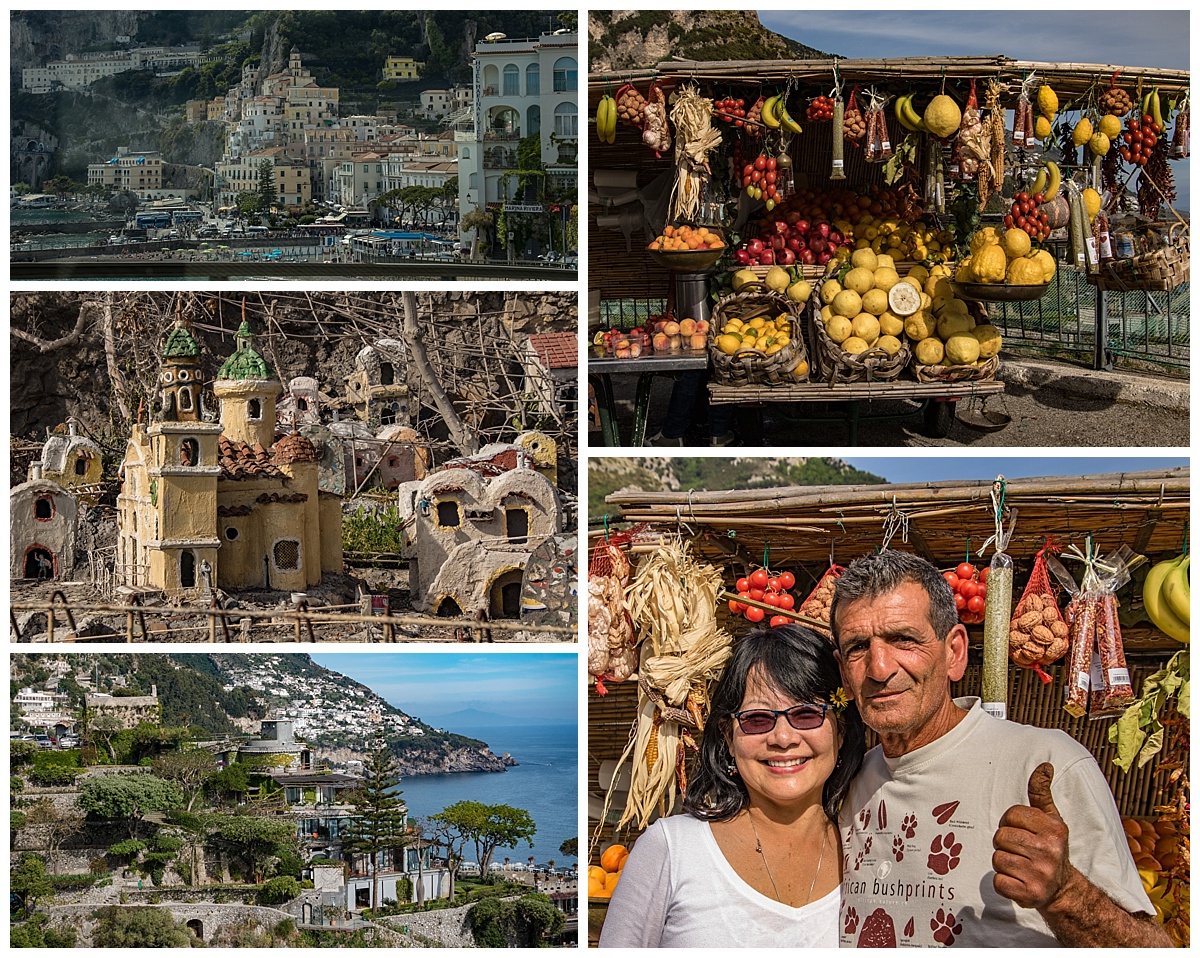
[970,591]
[1026,215]
[1139,140]
[762,586]
[762,179]
[730,110]
[820,109]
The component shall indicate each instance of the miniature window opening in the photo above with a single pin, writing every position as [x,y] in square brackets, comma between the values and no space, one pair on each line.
[185,399]
[81,465]
[189,453]
[255,411]
[387,374]
[287,554]
[387,415]
[232,533]
[302,404]
[447,513]
[187,570]
[516,525]
[43,508]
[393,462]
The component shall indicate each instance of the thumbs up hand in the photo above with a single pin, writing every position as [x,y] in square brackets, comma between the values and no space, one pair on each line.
[1032,860]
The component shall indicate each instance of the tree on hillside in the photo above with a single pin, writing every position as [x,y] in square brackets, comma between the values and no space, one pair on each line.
[105,727]
[452,842]
[570,847]
[126,926]
[254,839]
[29,882]
[229,783]
[489,827]
[191,769]
[380,813]
[266,186]
[129,797]
[57,825]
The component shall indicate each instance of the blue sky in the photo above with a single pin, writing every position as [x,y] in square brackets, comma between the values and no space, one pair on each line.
[538,687]
[1153,38]
[937,468]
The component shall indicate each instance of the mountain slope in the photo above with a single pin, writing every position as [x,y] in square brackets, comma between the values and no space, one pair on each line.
[636,39]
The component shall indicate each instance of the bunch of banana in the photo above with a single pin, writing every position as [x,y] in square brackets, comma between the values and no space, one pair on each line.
[775,115]
[606,120]
[1049,181]
[1152,107]
[1167,596]
[907,114]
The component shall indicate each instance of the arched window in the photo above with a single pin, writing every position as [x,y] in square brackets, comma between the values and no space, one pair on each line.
[387,374]
[566,75]
[512,80]
[185,398]
[533,119]
[255,410]
[533,79]
[566,120]
[43,508]
[189,453]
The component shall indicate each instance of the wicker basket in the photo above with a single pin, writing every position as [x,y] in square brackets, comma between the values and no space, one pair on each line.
[750,366]
[984,372]
[1160,269]
[838,366]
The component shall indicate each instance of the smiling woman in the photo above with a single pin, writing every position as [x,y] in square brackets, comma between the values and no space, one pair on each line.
[756,860]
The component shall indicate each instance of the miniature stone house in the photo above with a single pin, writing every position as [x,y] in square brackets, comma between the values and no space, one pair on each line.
[376,388]
[468,537]
[42,524]
[73,461]
[402,456]
[301,404]
[207,505]
[551,362]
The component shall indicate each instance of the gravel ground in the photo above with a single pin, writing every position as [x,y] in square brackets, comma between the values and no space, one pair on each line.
[1049,404]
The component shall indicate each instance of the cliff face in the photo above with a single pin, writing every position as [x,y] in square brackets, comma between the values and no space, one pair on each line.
[36,36]
[456,760]
[633,39]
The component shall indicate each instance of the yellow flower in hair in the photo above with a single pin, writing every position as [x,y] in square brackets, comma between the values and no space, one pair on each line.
[839,700]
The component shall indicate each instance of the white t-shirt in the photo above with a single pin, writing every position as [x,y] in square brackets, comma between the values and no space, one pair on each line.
[918,835]
[678,891]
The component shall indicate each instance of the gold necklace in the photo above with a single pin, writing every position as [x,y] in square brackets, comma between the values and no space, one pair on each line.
[758,848]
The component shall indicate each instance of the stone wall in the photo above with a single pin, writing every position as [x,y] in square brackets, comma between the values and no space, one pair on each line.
[447,927]
[214,919]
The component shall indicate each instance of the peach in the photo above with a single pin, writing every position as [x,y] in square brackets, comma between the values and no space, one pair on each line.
[702,325]
[671,328]
[687,327]
[660,342]
[699,341]
[676,342]
[624,352]
[635,349]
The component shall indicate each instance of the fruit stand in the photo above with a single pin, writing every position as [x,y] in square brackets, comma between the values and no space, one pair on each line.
[716,548]
[973,180]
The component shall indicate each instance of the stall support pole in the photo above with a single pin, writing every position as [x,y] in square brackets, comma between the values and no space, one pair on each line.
[641,408]
[1101,358]
[606,406]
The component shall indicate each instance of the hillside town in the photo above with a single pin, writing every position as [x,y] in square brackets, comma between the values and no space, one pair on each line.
[126,823]
[453,171]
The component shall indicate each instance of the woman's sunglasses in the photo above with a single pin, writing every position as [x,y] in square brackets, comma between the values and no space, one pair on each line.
[761,721]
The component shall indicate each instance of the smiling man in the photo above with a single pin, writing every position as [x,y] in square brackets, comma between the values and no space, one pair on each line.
[952,832]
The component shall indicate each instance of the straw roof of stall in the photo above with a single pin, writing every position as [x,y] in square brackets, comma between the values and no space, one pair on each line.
[804,527]
[1068,79]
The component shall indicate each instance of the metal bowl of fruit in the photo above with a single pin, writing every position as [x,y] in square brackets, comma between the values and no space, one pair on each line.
[686,259]
[998,292]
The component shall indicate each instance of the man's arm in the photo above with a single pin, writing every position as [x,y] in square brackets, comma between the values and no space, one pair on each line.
[1033,869]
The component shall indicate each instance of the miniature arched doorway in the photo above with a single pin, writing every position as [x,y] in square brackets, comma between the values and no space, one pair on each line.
[449,608]
[504,597]
[187,569]
[40,563]
[196,927]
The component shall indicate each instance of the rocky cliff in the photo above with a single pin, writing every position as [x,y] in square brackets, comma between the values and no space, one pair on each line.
[36,36]
[633,39]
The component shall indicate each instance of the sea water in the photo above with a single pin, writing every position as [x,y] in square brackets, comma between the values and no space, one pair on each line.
[545,784]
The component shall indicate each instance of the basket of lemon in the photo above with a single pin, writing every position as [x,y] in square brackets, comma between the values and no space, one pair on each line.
[858,321]
[755,338]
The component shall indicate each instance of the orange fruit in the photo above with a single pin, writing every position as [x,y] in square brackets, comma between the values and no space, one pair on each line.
[610,860]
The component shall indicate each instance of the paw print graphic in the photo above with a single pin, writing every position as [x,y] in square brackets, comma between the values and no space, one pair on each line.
[851,920]
[867,845]
[864,817]
[944,853]
[858,859]
[945,927]
[898,847]
[909,826]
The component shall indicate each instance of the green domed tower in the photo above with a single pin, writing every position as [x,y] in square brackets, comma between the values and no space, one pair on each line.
[180,379]
[247,388]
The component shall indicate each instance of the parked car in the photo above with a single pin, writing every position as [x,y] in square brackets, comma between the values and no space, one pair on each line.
[43,741]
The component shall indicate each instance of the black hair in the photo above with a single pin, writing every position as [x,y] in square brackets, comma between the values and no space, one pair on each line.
[879,573]
[797,662]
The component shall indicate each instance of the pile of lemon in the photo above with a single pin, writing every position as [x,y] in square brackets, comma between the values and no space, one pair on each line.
[1005,256]
[761,334]
[872,306]
[893,237]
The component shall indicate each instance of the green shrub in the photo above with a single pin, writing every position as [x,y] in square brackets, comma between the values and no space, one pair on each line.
[278,890]
[166,843]
[126,850]
[71,882]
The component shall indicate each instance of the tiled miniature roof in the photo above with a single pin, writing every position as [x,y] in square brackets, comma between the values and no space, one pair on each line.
[501,462]
[556,350]
[241,461]
[181,345]
[245,363]
[295,448]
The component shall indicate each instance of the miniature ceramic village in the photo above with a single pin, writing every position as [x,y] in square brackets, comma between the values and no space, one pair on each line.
[417,498]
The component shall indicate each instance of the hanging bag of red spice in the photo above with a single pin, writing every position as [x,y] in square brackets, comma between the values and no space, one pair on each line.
[820,600]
